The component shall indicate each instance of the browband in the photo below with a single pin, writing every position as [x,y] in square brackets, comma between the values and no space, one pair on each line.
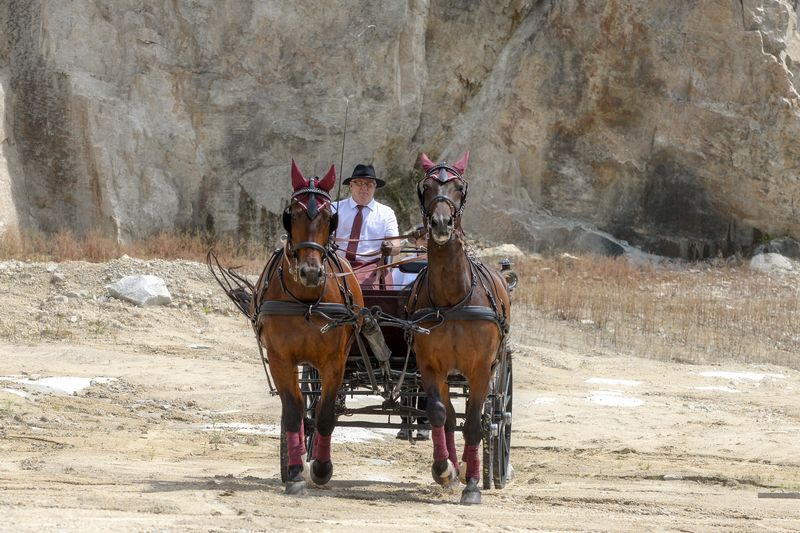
[442,176]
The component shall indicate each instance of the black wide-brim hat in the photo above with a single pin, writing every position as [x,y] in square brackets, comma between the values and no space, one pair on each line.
[365,172]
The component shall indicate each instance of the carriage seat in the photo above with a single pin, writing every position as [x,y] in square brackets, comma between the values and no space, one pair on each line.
[413,267]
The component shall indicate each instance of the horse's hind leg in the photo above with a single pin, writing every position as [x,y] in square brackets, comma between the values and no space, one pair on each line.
[444,472]
[292,422]
[322,466]
[478,389]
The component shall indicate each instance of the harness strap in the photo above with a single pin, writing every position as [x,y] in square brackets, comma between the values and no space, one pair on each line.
[327,310]
[467,312]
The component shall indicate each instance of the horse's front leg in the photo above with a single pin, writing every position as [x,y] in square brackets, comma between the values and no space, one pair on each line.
[322,466]
[478,389]
[443,470]
[292,409]
[450,426]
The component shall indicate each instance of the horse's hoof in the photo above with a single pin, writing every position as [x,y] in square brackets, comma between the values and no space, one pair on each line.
[321,472]
[296,488]
[462,472]
[443,472]
[471,495]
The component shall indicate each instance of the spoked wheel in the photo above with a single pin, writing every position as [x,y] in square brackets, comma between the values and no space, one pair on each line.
[497,427]
[310,387]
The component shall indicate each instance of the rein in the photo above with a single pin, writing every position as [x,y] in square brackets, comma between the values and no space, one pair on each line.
[403,236]
[379,267]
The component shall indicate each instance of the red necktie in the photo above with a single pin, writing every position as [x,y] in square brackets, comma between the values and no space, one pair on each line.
[355,234]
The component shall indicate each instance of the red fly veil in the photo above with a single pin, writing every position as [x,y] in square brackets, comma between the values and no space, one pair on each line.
[444,172]
[312,194]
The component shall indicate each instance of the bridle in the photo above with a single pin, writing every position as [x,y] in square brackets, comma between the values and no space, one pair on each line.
[309,205]
[441,173]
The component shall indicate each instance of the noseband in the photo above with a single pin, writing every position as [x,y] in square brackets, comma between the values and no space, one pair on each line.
[440,174]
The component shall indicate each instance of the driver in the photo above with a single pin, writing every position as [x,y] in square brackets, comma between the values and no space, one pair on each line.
[363,224]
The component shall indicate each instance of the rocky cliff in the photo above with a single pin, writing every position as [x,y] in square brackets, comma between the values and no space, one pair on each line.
[672,125]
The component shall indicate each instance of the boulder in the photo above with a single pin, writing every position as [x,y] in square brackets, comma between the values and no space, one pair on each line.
[770,262]
[141,290]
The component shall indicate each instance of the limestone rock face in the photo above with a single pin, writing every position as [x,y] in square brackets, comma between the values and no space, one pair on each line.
[671,125]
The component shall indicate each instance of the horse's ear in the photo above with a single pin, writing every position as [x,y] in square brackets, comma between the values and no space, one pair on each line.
[329,180]
[426,163]
[461,164]
[298,181]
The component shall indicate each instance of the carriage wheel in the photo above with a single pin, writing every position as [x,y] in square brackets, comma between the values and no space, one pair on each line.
[497,428]
[310,388]
[488,445]
[503,407]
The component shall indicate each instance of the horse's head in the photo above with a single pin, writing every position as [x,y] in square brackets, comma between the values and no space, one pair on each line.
[309,223]
[442,196]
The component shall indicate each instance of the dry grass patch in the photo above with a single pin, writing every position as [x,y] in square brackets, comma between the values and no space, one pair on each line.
[64,246]
[678,311]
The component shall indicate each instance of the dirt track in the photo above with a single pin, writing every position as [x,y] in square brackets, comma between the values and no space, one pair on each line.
[183,438]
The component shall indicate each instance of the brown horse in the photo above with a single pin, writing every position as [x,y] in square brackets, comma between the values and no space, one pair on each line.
[294,300]
[468,309]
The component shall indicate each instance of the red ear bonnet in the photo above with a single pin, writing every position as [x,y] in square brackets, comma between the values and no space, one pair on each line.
[312,194]
[329,180]
[426,163]
[461,165]
[298,181]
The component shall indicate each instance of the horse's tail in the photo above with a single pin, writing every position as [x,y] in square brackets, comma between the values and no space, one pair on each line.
[238,288]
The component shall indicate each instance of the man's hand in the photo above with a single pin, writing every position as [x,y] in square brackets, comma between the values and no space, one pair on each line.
[386,248]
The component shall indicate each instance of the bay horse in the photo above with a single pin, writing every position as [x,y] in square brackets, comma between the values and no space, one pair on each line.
[295,303]
[469,308]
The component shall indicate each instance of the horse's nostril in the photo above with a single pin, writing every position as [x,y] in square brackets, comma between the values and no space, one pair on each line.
[310,275]
[442,221]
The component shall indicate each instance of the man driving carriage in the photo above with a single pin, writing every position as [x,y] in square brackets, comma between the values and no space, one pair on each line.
[366,227]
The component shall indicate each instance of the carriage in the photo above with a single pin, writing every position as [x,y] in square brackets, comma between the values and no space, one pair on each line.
[334,345]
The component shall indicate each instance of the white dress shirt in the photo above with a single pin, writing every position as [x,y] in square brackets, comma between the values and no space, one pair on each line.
[378,222]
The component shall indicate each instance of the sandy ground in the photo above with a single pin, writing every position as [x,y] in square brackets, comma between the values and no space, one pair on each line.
[183,437]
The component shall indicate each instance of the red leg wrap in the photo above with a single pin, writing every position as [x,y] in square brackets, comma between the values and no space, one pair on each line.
[322,448]
[473,461]
[440,452]
[294,440]
[450,436]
